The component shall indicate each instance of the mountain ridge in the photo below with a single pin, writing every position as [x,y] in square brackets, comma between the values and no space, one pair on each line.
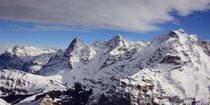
[142,72]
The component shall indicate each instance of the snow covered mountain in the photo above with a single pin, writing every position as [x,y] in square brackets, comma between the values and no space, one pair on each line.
[18,84]
[172,69]
[26,58]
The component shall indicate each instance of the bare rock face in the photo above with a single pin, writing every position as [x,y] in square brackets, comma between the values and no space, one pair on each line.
[74,45]
[206,46]
[171,59]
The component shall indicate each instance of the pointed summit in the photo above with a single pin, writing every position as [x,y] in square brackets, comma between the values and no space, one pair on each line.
[76,42]
[118,36]
[118,40]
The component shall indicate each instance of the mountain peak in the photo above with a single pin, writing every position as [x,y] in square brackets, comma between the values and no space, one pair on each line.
[180,30]
[118,36]
[24,51]
[29,50]
[117,40]
[176,33]
[162,71]
[76,42]
[179,34]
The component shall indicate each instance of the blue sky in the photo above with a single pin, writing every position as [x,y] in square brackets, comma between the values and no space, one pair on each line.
[32,27]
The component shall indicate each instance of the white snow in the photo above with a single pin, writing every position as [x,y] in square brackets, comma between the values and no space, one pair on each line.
[26,83]
[2,102]
[174,63]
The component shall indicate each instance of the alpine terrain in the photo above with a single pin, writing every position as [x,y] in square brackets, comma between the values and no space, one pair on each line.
[172,69]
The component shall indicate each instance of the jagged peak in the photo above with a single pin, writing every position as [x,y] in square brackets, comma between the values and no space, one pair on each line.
[179,33]
[76,42]
[117,40]
[16,47]
[29,50]
[24,51]
[118,36]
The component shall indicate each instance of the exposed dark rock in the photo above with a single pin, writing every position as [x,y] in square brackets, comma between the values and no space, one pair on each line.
[75,43]
[75,96]
[171,59]
[114,42]
[175,99]
[206,47]
[13,98]
[115,99]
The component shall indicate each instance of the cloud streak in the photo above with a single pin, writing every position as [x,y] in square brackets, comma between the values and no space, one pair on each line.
[126,15]
[46,27]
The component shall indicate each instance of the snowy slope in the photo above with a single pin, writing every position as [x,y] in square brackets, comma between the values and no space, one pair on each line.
[172,69]
[170,62]
[179,68]
[2,102]
[22,83]
[86,60]
[26,58]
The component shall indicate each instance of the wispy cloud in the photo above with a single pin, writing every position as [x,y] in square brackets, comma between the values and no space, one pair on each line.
[46,27]
[127,15]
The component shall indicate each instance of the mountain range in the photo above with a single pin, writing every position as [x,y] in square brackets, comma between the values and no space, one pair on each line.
[172,69]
